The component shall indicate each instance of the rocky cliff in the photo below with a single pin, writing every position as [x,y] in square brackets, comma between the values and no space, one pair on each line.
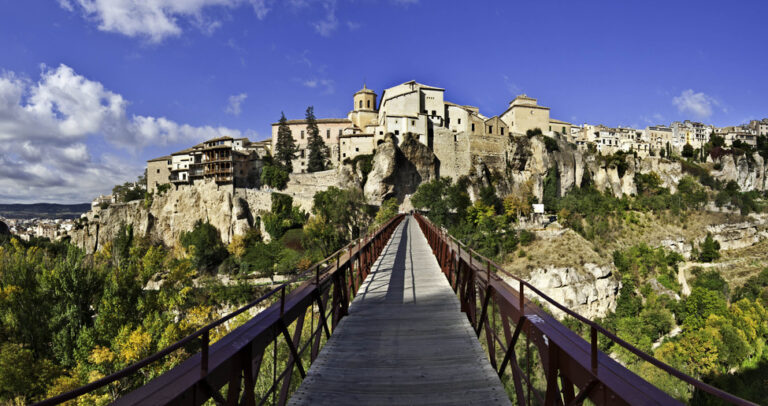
[748,171]
[231,211]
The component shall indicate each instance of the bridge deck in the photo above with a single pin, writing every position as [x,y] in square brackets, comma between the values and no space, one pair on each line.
[405,340]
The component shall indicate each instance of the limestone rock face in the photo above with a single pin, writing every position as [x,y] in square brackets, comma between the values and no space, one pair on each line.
[399,170]
[590,291]
[748,172]
[670,172]
[740,235]
[231,211]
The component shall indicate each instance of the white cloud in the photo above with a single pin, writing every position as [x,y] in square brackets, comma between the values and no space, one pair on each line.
[46,126]
[328,85]
[698,104]
[328,25]
[156,20]
[233,107]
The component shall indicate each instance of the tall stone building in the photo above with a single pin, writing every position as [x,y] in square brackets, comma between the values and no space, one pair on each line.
[235,162]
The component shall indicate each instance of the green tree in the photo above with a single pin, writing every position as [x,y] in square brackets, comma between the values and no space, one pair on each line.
[700,304]
[274,177]
[389,208]
[551,189]
[204,245]
[318,151]
[74,288]
[121,244]
[688,151]
[345,209]
[285,147]
[709,249]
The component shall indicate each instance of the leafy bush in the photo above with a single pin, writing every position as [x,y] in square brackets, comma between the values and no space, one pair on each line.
[204,245]
[709,249]
[274,176]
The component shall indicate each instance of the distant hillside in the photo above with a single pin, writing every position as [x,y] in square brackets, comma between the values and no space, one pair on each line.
[43,210]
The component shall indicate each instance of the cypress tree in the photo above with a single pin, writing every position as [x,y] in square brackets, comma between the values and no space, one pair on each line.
[285,149]
[318,151]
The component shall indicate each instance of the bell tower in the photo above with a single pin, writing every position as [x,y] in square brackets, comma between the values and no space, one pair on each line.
[365,100]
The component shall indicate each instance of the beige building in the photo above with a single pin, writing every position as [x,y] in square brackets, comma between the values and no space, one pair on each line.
[224,160]
[330,129]
[158,172]
[525,114]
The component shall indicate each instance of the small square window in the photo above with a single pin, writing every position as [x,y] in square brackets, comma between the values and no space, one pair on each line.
[397,132]
[158,171]
[357,149]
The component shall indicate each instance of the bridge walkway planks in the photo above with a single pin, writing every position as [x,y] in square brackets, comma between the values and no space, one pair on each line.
[405,340]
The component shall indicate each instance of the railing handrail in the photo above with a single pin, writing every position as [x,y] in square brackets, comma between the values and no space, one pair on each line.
[135,367]
[646,357]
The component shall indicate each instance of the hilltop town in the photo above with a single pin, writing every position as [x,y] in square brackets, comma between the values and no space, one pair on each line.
[460,136]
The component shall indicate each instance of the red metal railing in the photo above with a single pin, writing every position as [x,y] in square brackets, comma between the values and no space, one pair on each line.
[238,362]
[502,314]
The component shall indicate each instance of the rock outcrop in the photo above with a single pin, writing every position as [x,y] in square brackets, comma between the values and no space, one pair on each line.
[748,171]
[590,292]
[399,170]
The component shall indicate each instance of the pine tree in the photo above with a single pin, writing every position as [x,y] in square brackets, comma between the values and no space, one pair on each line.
[285,149]
[318,151]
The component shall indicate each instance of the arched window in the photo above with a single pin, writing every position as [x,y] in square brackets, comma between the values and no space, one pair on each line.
[368,104]
[361,104]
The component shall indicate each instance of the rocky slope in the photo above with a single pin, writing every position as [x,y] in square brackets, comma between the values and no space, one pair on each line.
[232,212]
[576,276]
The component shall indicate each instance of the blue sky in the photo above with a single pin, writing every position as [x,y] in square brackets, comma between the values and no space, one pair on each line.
[90,89]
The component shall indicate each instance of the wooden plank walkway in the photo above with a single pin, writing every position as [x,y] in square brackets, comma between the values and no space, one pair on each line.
[405,340]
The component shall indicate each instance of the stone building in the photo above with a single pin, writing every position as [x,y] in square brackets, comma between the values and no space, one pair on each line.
[158,172]
[236,162]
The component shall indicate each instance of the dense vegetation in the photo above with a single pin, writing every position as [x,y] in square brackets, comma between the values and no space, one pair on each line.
[68,318]
[715,334]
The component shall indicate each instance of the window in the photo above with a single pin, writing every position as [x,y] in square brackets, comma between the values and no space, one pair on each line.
[357,149]
[413,122]
[169,162]
[368,104]
[381,132]
[361,104]
[302,134]
[502,130]
[459,121]
[397,132]
[434,113]
[339,132]
[563,130]
[302,153]
[158,171]
[550,128]
[490,129]
[344,155]
[473,126]
[327,134]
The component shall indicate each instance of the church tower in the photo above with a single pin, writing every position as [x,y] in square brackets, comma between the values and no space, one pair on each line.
[365,100]
[364,113]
